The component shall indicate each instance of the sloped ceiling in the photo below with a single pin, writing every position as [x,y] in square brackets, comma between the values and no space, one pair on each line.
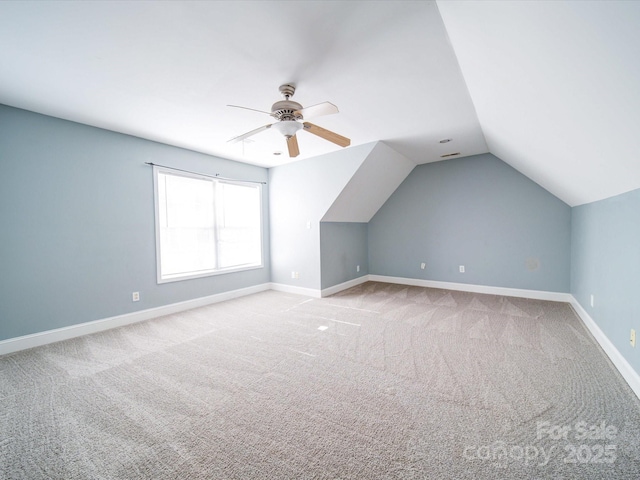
[554,84]
[379,175]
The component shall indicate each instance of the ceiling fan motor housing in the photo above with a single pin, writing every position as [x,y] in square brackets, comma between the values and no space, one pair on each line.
[285,110]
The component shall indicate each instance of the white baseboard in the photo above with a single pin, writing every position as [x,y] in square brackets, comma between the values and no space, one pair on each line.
[314,293]
[467,287]
[621,364]
[309,292]
[343,286]
[416,282]
[50,336]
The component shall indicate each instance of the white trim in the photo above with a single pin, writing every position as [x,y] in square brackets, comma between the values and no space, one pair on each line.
[308,292]
[314,293]
[343,286]
[416,282]
[214,181]
[468,287]
[156,222]
[622,365]
[50,336]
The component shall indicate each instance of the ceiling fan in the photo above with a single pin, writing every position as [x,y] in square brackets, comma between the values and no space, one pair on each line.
[291,116]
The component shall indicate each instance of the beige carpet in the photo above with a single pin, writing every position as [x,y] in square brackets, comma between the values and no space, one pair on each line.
[378,382]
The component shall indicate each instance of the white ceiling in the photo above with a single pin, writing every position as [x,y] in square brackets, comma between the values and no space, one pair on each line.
[166,71]
[554,83]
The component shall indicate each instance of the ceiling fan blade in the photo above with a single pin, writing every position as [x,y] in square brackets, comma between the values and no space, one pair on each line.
[248,134]
[324,108]
[326,134]
[247,108]
[292,144]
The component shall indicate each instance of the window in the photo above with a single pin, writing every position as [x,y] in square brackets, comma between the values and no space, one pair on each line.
[205,226]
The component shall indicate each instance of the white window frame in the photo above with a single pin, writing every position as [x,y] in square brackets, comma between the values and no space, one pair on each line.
[206,273]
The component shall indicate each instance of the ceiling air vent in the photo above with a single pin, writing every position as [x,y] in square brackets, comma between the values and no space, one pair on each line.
[447,155]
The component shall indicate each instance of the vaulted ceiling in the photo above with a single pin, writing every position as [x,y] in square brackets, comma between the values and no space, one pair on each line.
[549,87]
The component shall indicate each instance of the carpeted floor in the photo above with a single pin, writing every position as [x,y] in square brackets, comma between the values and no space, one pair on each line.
[378,382]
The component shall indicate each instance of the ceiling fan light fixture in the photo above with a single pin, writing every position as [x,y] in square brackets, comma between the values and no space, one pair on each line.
[288,128]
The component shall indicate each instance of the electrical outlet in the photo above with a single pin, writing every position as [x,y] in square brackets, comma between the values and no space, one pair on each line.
[423,265]
[357,268]
[592,300]
[633,338]
[295,275]
[461,268]
[135,296]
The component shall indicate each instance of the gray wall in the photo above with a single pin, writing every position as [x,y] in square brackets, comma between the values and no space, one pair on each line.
[76,207]
[300,194]
[343,246]
[477,212]
[605,263]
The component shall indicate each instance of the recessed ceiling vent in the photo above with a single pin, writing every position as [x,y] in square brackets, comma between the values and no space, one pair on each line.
[447,155]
